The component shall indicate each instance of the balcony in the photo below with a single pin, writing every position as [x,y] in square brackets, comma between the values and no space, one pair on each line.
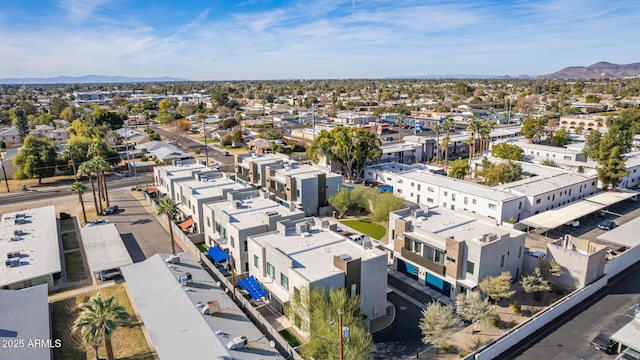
[280,194]
[424,262]
[243,176]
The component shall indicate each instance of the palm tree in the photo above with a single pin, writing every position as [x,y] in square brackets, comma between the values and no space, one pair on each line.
[72,152]
[87,169]
[101,165]
[98,319]
[445,143]
[447,125]
[167,206]
[437,128]
[79,188]
[471,142]
[474,126]
[486,127]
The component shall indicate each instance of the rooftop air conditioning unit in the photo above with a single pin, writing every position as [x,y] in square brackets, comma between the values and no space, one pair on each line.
[237,343]
[15,262]
[488,237]
[415,213]
[302,227]
[13,254]
[236,204]
[174,259]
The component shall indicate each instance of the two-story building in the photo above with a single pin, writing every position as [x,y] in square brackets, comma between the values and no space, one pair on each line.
[307,253]
[250,168]
[229,222]
[166,177]
[451,252]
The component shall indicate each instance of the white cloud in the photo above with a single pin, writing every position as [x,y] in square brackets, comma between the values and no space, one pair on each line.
[79,10]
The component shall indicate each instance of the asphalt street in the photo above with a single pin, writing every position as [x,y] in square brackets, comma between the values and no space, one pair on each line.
[569,336]
[186,143]
[402,339]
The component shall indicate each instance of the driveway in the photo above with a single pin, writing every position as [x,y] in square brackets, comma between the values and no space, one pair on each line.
[402,339]
[141,232]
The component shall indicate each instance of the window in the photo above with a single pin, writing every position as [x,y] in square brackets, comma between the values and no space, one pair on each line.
[232,241]
[493,206]
[538,201]
[354,290]
[399,191]
[520,252]
[244,245]
[429,189]
[284,281]
[412,184]
[520,205]
[502,261]
[271,271]
[429,200]
[453,197]
[444,204]
[399,181]
[419,184]
[470,267]
[446,193]
[208,222]
[473,201]
[417,246]
[256,261]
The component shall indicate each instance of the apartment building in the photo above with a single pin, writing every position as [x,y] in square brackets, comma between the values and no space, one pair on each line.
[166,177]
[10,137]
[250,168]
[207,187]
[303,187]
[228,223]
[451,252]
[307,253]
[546,152]
[29,240]
[587,122]
[632,162]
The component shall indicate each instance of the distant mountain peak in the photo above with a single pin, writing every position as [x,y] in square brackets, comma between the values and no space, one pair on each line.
[601,69]
[87,79]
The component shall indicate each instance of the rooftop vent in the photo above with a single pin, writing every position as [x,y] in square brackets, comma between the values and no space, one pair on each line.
[271,213]
[302,227]
[415,213]
[367,244]
[236,204]
[174,259]
[237,343]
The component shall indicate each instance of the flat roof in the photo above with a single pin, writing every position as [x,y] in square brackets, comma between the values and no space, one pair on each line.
[300,171]
[175,171]
[389,148]
[451,224]
[625,234]
[629,335]
[459,185]
[211,187]
[37,243]
[396,167]
[176,326]
[559,216]
[104,247]
[24,316]
[312,255]
[537,185]
[251,211]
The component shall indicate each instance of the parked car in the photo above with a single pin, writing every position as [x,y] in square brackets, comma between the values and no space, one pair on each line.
[607,225]
[389,138]
[109,274]
[358,181]
[574,223]
[628,354]
[96,222]
[226,153]
[603,342]
[385,188]
[112,210]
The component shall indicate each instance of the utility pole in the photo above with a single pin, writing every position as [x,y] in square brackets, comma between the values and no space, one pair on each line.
[340,329]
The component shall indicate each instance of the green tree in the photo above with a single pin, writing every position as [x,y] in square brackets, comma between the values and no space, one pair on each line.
[168,207]
[508,151]
[98,319]
[459,169]
[350,146]
[534,283]
[438,324]
[341,201]
[533,129]
[317,312]
[79,189]
[592,145]
[360,197]
[36,159]
[384,204]
[612,169]
[561,138]
[473,307]
[549,162]
[549,268]
[56,106]
[229,123]
[21,123]
[497,287]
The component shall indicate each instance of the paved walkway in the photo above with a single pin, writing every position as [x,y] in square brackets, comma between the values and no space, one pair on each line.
[415,290]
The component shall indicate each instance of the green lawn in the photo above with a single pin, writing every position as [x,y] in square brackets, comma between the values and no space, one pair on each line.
[291,339]
[70,241]
[74,266]
[373,230]
[67,224]
[202,246]
[62,316]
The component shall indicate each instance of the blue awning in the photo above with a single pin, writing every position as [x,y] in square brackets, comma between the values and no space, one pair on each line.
[216,254]
[251,285]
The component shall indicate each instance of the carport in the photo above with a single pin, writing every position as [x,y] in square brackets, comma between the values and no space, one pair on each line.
[104,248]
[629,335]
[625,235]
[557,217]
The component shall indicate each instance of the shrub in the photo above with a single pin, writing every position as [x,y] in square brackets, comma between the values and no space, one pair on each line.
[446,348]
[494,319]
[552,300]
[144,158]
[537,296]
[463,354]
[516,307]
[511,324]
[559,291]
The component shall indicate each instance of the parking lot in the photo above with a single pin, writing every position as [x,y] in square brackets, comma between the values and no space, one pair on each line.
[620,213]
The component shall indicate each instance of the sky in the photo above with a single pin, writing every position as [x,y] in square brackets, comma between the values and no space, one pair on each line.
[312,39]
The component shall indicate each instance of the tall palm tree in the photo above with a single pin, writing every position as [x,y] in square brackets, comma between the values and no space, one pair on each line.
[471,143]
[86,168]
[79,188]
[167,206]
[445,143]
[437,128]
[98,319]
[486,127]
[447,125]
[72,152]
[474,126]
[101,165]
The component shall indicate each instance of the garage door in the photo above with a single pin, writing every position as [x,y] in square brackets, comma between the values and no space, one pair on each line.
[438,284]
[408,269]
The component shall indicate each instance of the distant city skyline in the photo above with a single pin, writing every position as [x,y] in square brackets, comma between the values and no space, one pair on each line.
[281,39]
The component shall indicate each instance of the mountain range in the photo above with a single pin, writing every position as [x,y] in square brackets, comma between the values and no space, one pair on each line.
[598,70]
[88,79]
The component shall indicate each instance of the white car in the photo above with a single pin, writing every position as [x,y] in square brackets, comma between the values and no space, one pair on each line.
[574,223]
[96,222]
